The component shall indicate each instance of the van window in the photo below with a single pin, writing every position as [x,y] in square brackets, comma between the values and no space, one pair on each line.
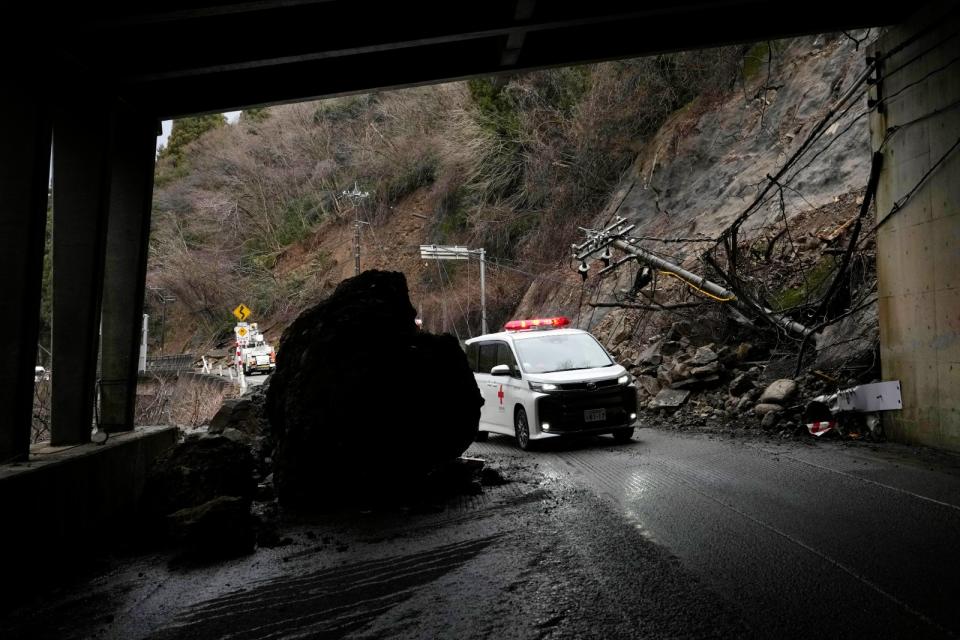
[472,353]
[487,358]
[505,356]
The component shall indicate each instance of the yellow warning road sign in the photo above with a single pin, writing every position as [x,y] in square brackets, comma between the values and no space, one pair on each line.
[242,332]
[242,312]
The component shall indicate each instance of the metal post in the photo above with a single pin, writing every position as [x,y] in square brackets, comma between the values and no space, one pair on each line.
[483,291]
[356,247]
[163,325]
[142,365]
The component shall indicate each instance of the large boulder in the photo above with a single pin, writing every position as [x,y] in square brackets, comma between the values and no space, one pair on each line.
[362,399]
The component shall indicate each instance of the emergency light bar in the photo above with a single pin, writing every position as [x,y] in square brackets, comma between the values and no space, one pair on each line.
[536,323]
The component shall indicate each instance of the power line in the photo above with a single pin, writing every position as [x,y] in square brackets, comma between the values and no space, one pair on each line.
[456,299]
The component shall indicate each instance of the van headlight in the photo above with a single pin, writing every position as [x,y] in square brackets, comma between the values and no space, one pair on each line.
[542,387]
[625,379]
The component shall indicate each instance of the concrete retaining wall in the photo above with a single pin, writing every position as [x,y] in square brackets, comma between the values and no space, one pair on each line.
[68,502]
[918,240]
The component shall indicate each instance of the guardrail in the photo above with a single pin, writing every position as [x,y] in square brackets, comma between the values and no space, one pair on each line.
[168,364]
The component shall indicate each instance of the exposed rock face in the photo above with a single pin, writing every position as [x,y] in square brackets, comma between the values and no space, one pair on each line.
[361,398]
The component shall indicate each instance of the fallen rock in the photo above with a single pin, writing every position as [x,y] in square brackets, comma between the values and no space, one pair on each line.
[649,384]
[669,399]
[231,433]
[663,375]
[670,347]
[679,329]
[679,371]
[696,384]
[219,528]
[770,420]
[343,429]
[703,356]
[710,369]
[624,334]
[237,414]
[194,473]
[763,409]
[741,384]
[851,344]
[651,355]
[779,392]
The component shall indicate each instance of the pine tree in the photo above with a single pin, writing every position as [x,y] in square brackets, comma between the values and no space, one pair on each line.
[187,130]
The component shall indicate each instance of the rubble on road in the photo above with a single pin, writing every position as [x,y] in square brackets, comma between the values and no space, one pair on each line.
[197,471]
[219,528]
[686,382]
[198,496]
[345,429]
[669,399]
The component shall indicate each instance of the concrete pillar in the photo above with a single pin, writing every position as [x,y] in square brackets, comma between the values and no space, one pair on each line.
[24,180]
[918,210]
[128,233]
[81,189]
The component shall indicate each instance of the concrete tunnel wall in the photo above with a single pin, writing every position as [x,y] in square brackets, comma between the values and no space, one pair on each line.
[918,235]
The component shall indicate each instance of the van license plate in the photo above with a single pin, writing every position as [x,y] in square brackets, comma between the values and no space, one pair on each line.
[594,415]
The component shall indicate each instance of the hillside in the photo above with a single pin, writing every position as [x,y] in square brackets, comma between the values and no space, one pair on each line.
[254,212]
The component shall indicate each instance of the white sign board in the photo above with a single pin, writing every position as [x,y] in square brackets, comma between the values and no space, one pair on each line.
[867,398]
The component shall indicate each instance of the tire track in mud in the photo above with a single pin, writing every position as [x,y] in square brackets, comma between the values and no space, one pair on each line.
[327,603]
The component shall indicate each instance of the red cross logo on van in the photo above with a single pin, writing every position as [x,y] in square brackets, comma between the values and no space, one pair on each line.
[500,395]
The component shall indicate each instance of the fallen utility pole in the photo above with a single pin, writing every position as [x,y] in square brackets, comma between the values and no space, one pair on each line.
[615,235]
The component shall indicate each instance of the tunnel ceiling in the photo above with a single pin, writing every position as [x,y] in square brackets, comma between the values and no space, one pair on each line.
[177,58]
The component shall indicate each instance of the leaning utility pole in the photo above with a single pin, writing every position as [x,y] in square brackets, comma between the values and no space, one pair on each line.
[616,235]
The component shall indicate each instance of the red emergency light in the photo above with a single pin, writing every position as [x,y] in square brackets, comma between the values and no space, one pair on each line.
[536,323]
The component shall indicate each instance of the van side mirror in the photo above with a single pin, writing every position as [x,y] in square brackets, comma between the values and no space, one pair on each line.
[500,370]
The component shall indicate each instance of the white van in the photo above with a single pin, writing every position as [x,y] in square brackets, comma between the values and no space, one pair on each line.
[540,381]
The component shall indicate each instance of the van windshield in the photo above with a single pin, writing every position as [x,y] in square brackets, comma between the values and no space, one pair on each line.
[563,352]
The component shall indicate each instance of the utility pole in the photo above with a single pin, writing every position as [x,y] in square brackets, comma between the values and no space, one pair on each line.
[616,235]
[440,252]
[355,195]
[356,246]
[483,291]
[164,298]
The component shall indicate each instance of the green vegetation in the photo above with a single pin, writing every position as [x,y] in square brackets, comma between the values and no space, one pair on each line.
[186,131]
[814,285]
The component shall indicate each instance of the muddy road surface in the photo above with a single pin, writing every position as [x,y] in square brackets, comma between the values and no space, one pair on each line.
[669,536]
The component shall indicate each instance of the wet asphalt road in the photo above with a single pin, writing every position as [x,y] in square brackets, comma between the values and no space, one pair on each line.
[841,541]
[668,536]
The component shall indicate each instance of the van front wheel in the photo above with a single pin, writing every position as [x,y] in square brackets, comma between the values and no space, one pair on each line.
[522,429]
